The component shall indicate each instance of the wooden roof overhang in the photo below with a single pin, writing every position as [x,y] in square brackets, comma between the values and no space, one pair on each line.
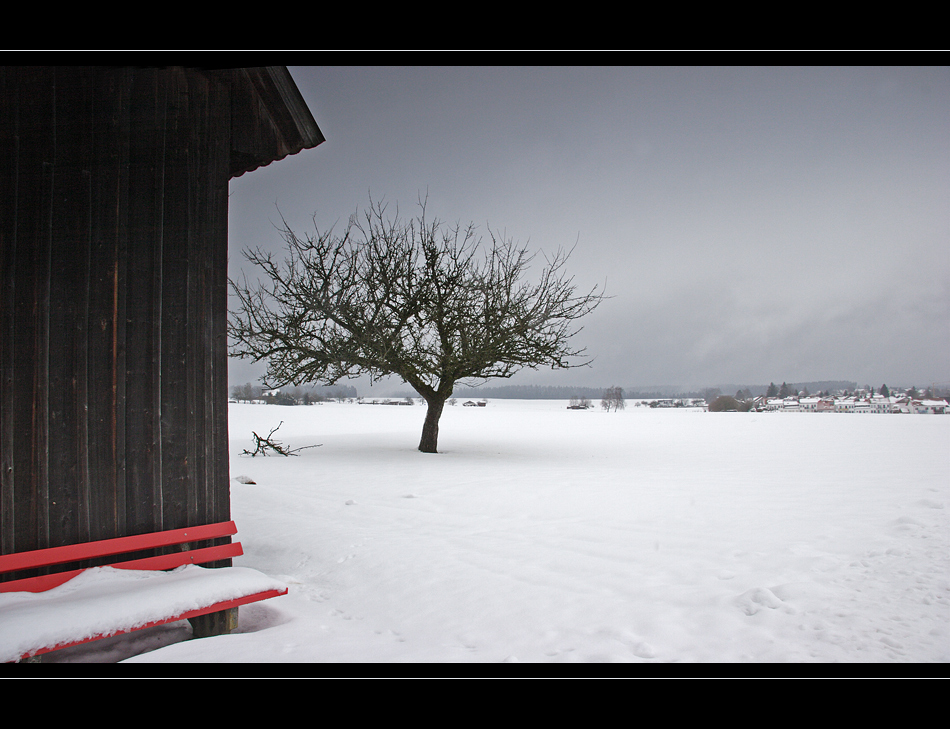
[282,126]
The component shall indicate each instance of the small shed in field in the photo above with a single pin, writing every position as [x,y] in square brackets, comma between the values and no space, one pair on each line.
[113,290]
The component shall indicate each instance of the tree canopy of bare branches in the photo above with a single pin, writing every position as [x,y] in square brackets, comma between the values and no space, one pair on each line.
[431,303]
[613,398]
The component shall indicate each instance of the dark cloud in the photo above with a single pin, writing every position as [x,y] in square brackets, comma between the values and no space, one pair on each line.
[752,224]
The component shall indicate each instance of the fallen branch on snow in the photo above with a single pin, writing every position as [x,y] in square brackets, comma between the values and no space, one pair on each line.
[263,445]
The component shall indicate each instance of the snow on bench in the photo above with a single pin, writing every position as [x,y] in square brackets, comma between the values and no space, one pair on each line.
[48,612]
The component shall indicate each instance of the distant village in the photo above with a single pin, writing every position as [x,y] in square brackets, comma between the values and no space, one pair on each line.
[857,403]
[828,404]
[859,400]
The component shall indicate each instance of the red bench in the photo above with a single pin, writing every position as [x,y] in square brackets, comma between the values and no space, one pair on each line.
[104,602]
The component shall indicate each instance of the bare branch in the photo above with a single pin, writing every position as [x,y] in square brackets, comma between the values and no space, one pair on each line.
[265,444]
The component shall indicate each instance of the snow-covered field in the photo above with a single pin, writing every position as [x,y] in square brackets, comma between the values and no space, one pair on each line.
[542,534]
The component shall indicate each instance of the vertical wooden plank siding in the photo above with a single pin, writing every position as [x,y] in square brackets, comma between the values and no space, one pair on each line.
[9,155]
[113,291]
[113,307]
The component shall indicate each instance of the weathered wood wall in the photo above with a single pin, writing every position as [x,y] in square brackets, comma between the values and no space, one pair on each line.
[113,297]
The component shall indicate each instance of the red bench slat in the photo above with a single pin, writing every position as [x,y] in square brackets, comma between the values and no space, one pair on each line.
[226,605]
[107,547]
[42,583]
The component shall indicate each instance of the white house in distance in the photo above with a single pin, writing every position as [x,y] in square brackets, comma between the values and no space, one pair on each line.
[930,407]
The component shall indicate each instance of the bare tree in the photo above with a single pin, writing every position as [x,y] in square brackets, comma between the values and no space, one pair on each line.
[245,393]
[418,299]
[613,398]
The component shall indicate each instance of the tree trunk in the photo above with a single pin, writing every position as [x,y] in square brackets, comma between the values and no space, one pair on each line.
[430,429]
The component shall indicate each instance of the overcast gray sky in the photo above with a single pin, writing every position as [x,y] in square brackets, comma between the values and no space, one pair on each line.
[751,224]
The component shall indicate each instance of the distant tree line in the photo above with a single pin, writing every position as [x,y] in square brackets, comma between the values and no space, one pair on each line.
[292,396]
[833,387]
[727,403]
[709,394]
[548,392]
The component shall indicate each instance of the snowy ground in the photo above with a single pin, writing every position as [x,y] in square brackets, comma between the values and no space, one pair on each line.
[541,534]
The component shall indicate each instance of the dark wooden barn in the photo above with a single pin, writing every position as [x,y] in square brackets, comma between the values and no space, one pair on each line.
[113,290]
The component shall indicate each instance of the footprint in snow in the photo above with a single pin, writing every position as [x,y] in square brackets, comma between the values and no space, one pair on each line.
[640,648]
[906,523]
[752,601]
